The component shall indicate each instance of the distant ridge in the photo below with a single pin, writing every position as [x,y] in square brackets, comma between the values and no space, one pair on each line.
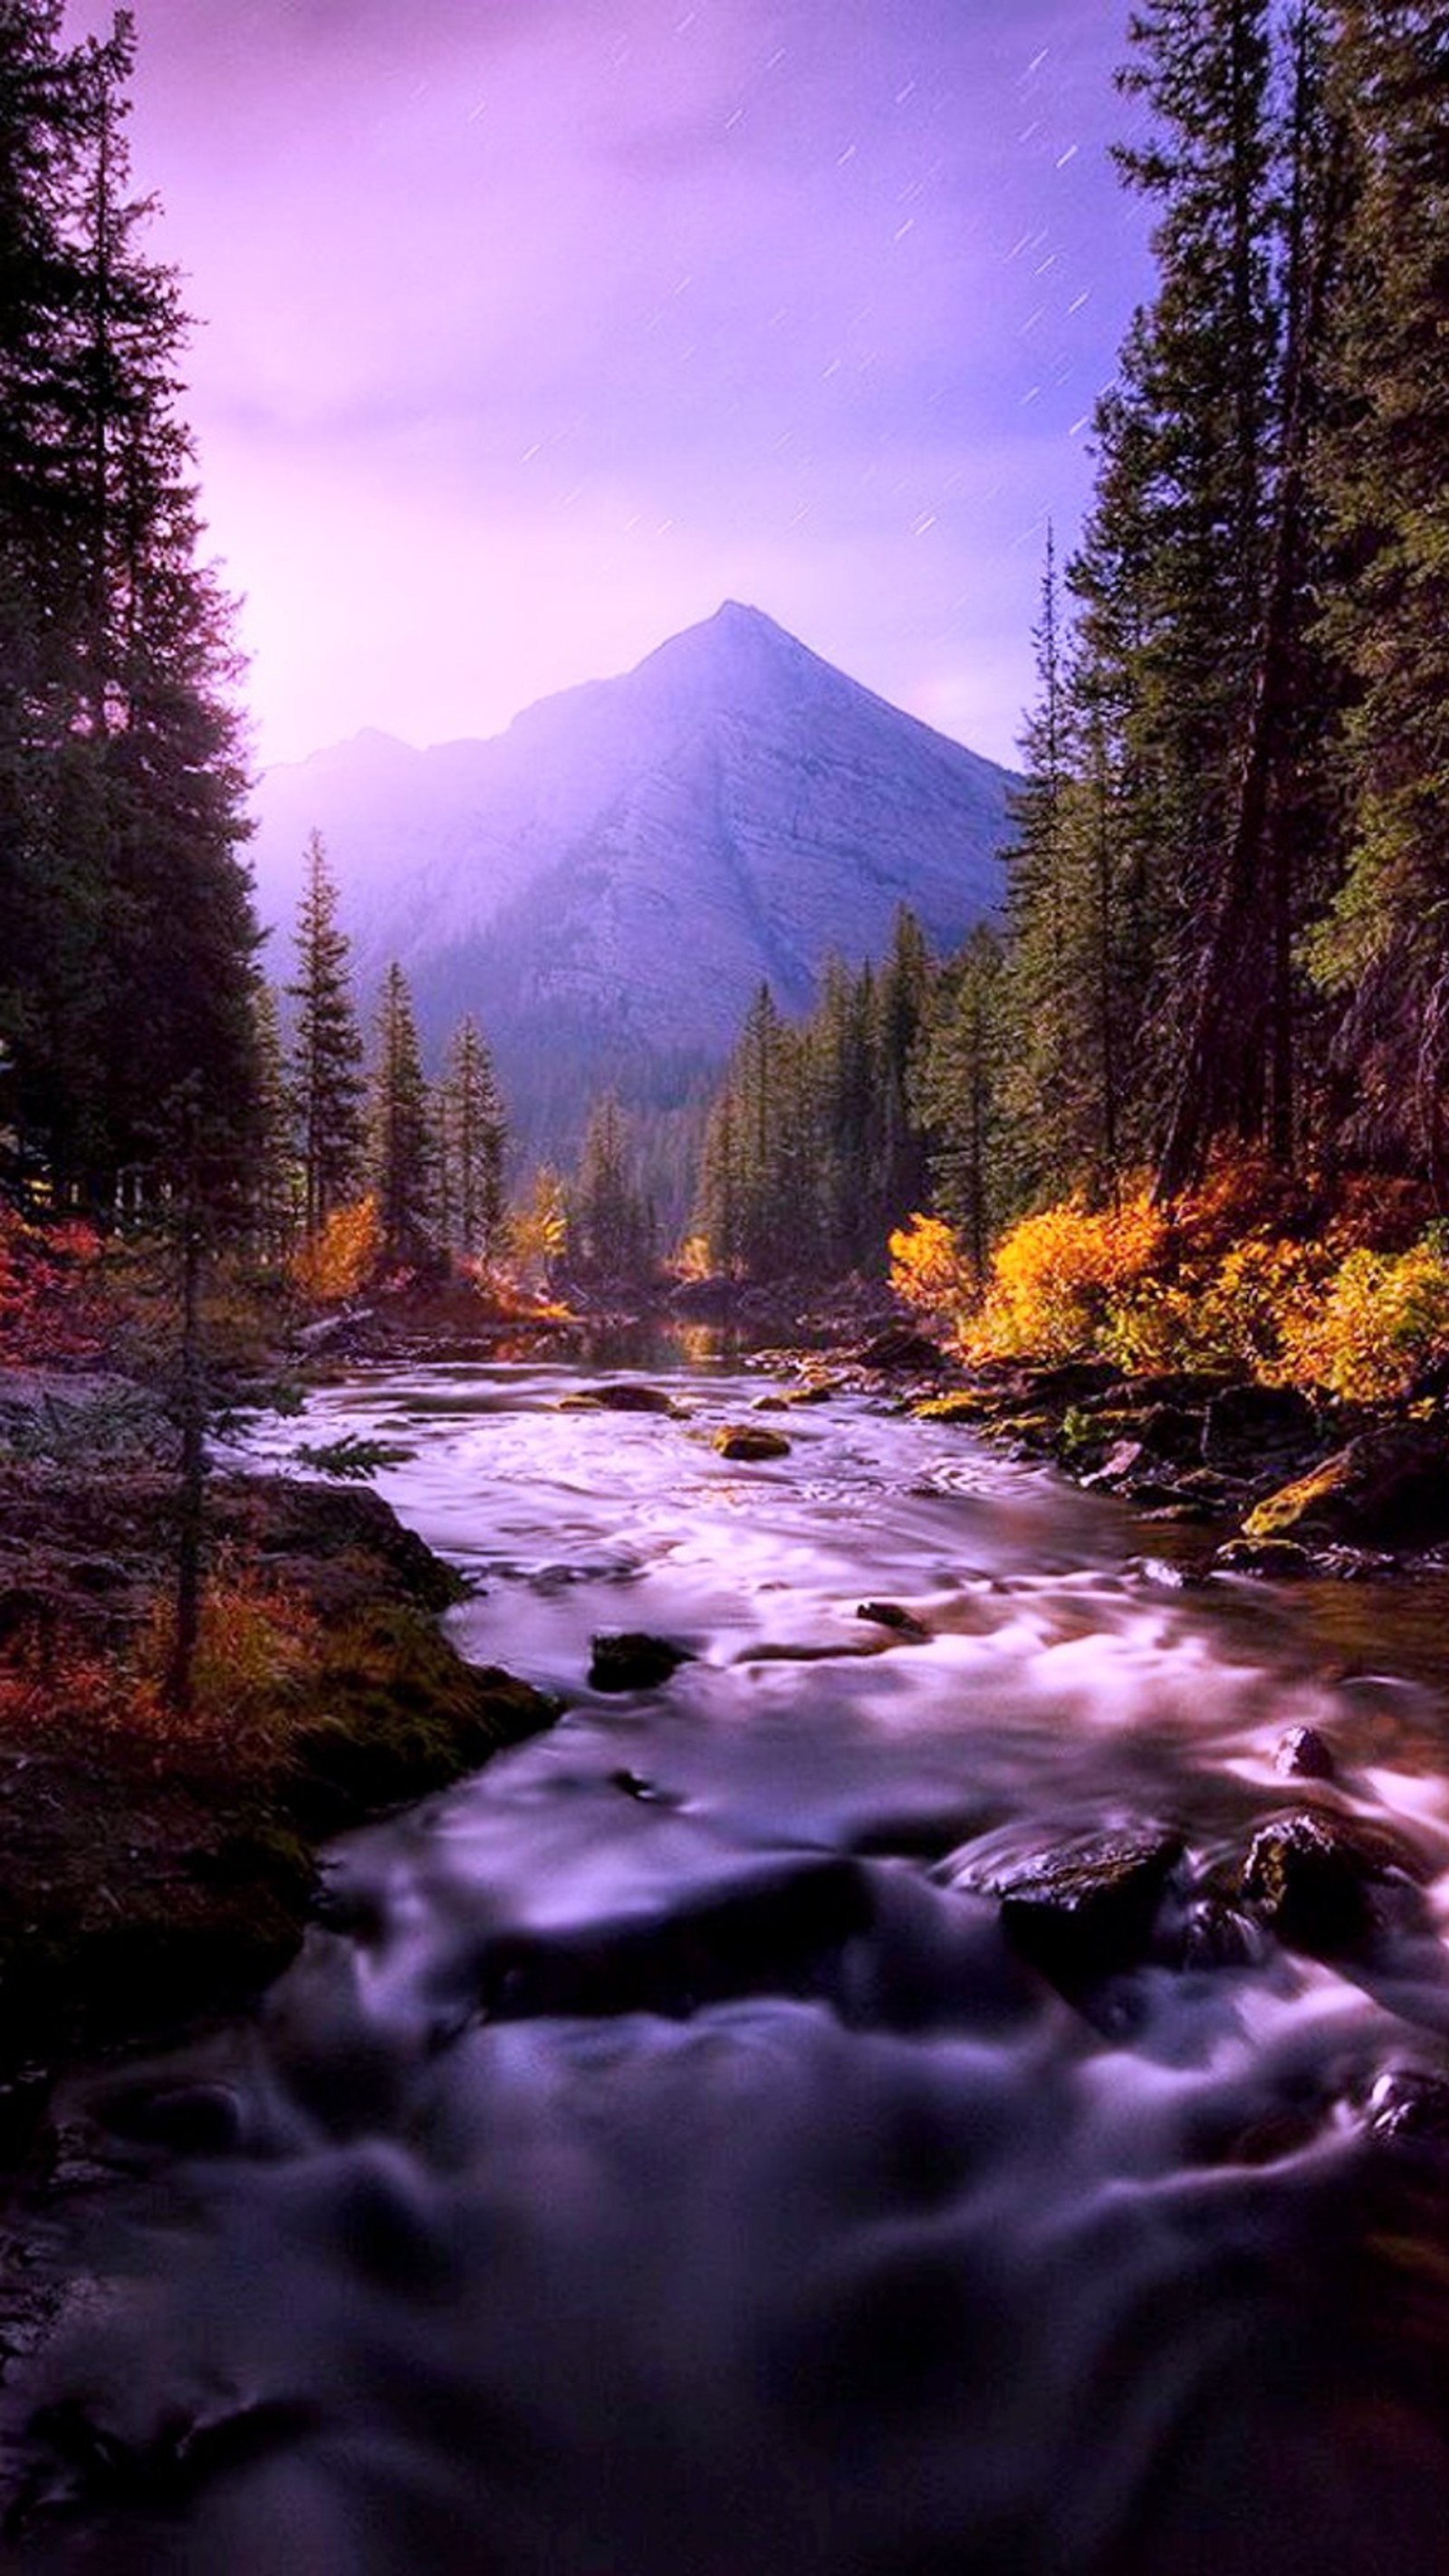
[607,883]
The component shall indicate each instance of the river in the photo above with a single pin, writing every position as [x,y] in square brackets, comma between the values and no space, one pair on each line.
[661,2162]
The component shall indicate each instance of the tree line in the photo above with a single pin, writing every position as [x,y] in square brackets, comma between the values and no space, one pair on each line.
[1226,923]
[341,1122]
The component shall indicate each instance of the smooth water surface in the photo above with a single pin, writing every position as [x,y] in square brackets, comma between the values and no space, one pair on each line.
[657,2166]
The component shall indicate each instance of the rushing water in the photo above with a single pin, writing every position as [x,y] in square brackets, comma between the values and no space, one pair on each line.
[658,2167]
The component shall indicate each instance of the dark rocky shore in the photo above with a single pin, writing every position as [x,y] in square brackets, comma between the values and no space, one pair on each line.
[143,1878]
[1278,1485]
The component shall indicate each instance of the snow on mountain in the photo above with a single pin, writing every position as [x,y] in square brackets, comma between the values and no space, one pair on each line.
[606,884]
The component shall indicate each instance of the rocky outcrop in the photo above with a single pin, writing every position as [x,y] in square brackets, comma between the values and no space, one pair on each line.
[1388,1484]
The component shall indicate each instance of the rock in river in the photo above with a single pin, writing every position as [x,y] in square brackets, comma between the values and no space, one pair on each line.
[630,1660]
[1081,1906]
[1312,1876]
[749,1442]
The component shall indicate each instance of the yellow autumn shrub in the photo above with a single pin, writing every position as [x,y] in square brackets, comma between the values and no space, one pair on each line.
[1058,1277]
[929,1270]
[1380,1320]
[343,1256]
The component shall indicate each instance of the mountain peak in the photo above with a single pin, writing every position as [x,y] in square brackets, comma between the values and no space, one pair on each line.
[736,656]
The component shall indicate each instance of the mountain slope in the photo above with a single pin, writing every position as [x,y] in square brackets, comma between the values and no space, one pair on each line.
[606,884]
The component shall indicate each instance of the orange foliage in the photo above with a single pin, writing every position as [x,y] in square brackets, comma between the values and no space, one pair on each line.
[48,1306]
[343,1257]
[1056,1276]
[258,1641]
[1380,1321]
[929,1269]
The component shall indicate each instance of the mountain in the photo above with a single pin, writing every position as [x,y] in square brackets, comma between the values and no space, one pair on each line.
[607,883]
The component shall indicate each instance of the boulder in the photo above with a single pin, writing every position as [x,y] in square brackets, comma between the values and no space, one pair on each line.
[1409,2105]
[1072,1382]
[1254,1418]
[1080,1907]
[963,1404]
[628,1659]
[1312,1876]
[1387,1484]
[1303,1754]
[621,1397]
[749,1442]
[1280,1560]
[900,1347]
[893,1614]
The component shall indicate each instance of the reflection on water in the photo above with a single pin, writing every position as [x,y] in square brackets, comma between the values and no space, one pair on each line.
[661,2162]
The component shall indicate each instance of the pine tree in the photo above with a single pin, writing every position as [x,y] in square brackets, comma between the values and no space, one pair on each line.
[400,1154]
[326,1063]
[610,1230]
[473,1145]
[958,1091]
[905,988]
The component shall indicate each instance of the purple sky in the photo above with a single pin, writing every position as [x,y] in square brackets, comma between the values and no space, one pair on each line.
[535,328]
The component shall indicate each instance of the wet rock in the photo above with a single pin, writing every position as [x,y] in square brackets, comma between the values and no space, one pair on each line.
[1281,1560]
[1194,1387]
[631,1660]
[1313,1876]
[623,1397]
[1386,1484]
[1304,1754]
[1254,1418]
[1409,2104]
[1170,1431]
[1081,1907]
[779,1928]
[749,1442]
[90,2464]
[1161,1571]
[633,1784]
[184,2119]
[900,1347]
[1071,1381]
[892,1614]
[1121,1461]
[963,1404]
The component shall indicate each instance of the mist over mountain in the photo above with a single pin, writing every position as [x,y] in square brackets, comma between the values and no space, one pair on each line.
[606,884]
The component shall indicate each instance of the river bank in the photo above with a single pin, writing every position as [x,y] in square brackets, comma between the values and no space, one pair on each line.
[1273,1483]
[157,1862]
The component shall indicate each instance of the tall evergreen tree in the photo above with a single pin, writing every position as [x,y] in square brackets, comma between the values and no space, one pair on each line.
[326,1061]
[958,1089]
[473,1143]
[610,1228]
[400,1143]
